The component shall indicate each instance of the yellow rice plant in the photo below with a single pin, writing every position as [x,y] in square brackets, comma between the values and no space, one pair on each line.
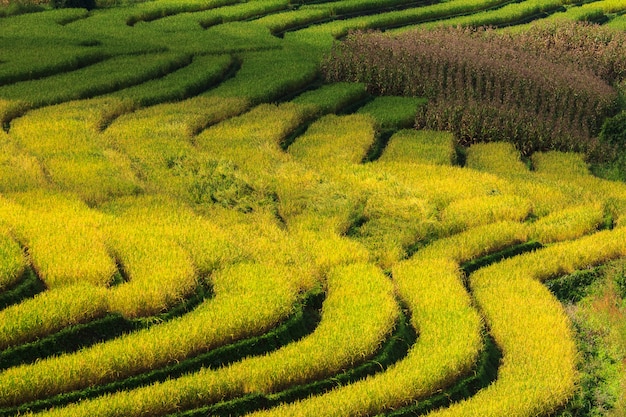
[9,109]
[249,300]
[63,237]
[590,189]
[329,250]
[607,6]
[358,313]
[476,211]
[569,223]
[293,18]
[156,140]
[538,373]
[475,242]
[448,345]
[442,184]
[561,164]
[13,261]
[497,157]
[334,141]
[252,143]
[209,245]
[262,239]
[308,199]
[19,171]
[421,146]
[566,257]
[394,219]
[546,196]
[95,178]
[67,142]
[68,128]
[159,272]
[51,311]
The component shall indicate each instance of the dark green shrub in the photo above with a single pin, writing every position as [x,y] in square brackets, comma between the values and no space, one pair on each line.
[613,131]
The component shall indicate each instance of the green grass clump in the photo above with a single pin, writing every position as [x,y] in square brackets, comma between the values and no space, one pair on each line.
[393,112]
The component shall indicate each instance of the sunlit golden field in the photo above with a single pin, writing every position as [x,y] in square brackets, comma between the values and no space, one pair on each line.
[193,222]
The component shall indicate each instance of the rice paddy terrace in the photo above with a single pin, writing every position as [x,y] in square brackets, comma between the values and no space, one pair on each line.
[194,223]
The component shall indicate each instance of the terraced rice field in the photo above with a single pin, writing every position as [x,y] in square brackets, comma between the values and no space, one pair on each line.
[194,223]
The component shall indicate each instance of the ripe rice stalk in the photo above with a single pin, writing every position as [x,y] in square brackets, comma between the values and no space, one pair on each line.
[51,311]
[498,157]
[334,141]
[13,261]
[359,302]
[64,238]
[476,211]
[448,345]
[568,224]
[244,306]
[538,373]
[561,164]
[420,146]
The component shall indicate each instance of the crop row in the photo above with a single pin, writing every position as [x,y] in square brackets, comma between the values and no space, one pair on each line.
[449,339]
[510,14]
[302,322]
[349,309]
[235,313]
[538,373]
[99,78]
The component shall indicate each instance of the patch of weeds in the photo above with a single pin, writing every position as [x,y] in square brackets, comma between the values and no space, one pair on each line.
[599,372]
[573,287]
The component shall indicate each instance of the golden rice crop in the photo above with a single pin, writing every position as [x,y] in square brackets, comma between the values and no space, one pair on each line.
[64,238]
[51,311]
[334,141]
[158,141]
[545,197]
[160,273]
[19,171]
[497,157]
[358,313]
[249,141]
[244,306]
[66,141]
[421,146]
[475,242]
[448,345]
[13,261]
[394,219]
[569,223]
[310,200]
[538,373]
[442,184]
[209,245]
[68,128]
[476,211]
[561,164]
[328,250]
[10,109]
